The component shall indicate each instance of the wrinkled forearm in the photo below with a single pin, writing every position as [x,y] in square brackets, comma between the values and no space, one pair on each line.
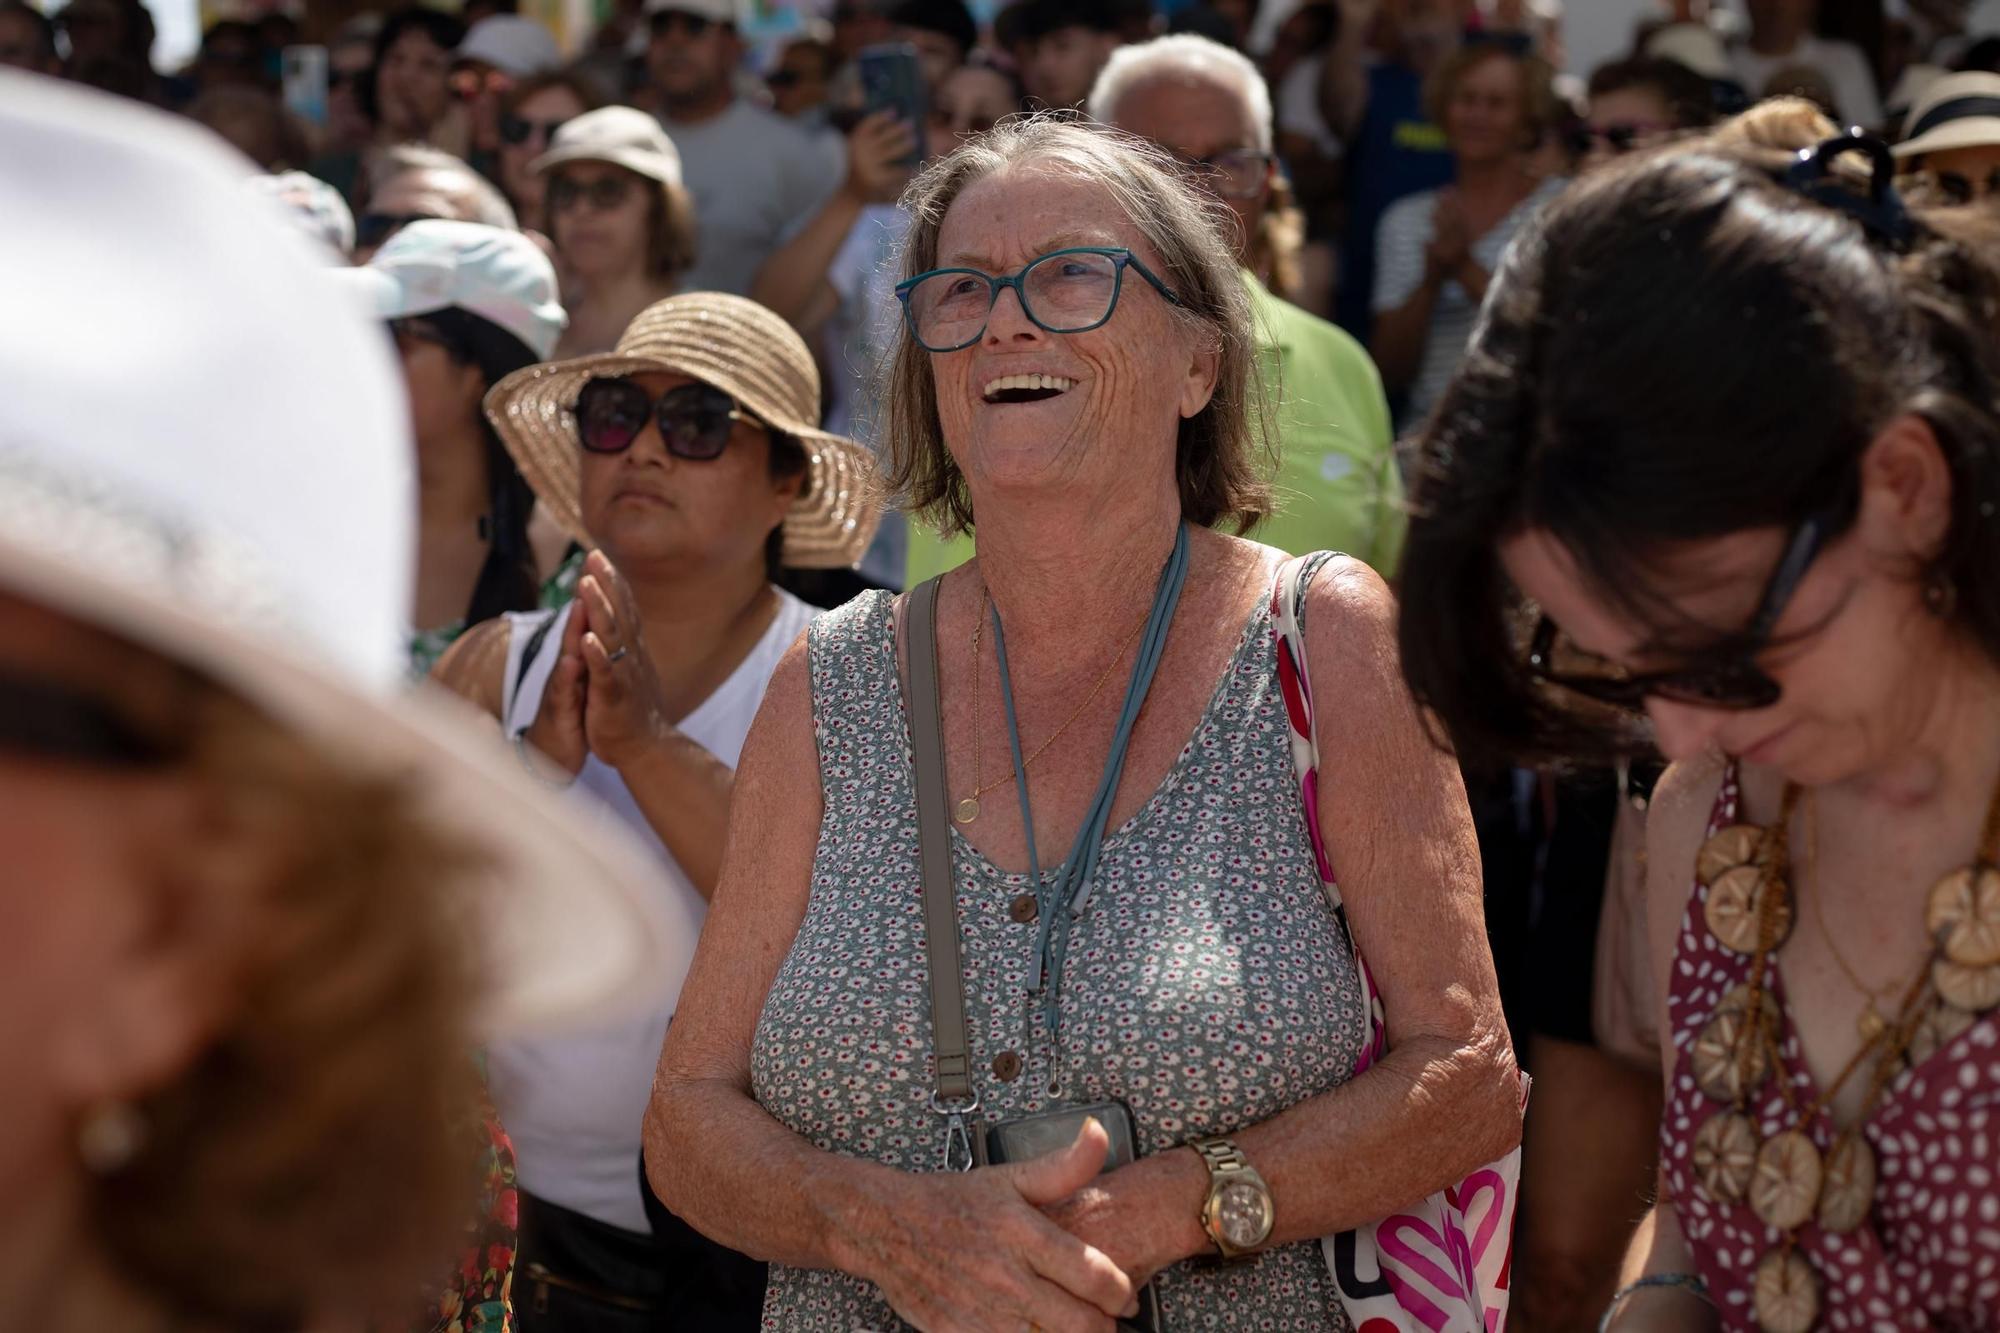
[731,1171]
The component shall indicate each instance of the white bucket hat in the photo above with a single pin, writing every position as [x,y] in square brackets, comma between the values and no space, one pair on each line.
[624,136]
[511,43]
[436,264]
[1956,111]
[211,458]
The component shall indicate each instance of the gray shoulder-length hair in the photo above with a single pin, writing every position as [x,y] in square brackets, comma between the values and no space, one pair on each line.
[1224,454]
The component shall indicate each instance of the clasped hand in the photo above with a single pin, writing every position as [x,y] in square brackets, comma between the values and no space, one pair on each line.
[603,695]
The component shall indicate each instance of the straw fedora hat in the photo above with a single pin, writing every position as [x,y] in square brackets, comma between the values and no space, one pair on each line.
[144,492]
[1956,111]
[739,347]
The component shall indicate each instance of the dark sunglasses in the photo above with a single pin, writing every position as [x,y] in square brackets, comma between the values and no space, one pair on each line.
[1734,682]
[1962,189]
[694,25]
[783,78]
[945,120]
[1620,139]
[518,130]
[43,720]
[603,194]
[371,229]
[695,420]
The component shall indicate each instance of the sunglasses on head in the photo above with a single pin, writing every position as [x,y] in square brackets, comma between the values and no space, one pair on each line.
[518,130]
[603,194]
[372,229]
[43,720]
[1735,681]
[694,420]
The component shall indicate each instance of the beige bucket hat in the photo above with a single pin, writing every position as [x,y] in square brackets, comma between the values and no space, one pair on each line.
[1956,111]
[742,349]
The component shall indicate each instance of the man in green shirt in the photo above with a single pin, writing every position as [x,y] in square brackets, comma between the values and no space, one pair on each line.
[1337,483]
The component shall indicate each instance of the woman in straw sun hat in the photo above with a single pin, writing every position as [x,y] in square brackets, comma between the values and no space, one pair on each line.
[258,900]
[691,461]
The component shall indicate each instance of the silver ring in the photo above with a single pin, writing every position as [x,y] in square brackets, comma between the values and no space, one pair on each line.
[623,649]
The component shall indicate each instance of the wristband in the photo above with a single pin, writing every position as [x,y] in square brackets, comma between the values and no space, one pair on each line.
[1688,1282]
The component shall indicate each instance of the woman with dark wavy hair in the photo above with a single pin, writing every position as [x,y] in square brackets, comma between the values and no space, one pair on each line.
[1722,460]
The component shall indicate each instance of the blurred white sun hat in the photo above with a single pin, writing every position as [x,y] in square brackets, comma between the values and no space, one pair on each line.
[210,457]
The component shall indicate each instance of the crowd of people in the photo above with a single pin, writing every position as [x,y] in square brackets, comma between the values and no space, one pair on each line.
[560,653]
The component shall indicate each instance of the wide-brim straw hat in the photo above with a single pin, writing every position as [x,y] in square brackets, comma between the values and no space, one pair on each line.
[1956,111]
[742,349]
[143,491]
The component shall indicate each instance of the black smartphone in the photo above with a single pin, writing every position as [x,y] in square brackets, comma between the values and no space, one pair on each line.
[892,80]
[1050,1131]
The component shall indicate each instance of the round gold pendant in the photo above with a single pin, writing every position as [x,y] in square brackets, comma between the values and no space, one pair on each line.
[1964,913]
[1786,1295]
[1731,1056]
[1785,1189]
[1939,1029]
[1737,845]
[1871,1024]
[968,810]
[1848,1190]
[1973,989]
[1735,906]
[1725,1155]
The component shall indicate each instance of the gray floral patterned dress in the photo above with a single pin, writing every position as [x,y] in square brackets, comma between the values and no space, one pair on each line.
[1207,985]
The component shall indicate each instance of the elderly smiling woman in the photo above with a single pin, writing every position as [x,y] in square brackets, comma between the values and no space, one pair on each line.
[1075,375]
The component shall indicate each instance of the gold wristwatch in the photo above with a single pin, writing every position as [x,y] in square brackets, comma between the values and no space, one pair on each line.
[1237,1214]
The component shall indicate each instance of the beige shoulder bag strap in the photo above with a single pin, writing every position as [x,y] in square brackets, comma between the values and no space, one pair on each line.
[954,1097]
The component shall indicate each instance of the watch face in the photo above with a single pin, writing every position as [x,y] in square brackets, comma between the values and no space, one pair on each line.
[1242,1214]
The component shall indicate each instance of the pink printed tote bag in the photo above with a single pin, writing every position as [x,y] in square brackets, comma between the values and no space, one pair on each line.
[1442,1264]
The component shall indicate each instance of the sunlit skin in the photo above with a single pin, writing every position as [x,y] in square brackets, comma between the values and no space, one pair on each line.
[651,510]
[422,193]
[1860,660]
[110,976]
[599,243]
[1060,67]
[967,103]
[1134,382]
[1486,119]
[689,71]
[1978,166]
[1638,108]
[1197,117]
[411,91]
[524,188]
[937,54]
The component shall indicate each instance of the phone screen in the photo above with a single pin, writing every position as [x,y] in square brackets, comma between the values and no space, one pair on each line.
[892,80]
[304,70]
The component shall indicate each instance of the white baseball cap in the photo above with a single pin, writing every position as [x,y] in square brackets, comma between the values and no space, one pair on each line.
[437,264]
[211,458]
[715,11]
[621,135]
[511,43]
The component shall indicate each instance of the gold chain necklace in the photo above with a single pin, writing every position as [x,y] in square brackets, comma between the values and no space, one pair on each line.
[968,808]
[1786,1180]
[1872,1019]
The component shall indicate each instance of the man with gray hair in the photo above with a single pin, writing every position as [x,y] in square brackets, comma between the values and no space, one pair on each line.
[411,181]
[1208,106]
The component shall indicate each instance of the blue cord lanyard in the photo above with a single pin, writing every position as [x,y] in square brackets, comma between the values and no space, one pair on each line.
[1067,893]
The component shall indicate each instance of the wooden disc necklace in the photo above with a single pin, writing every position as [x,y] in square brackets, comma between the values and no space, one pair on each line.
[1786,1180]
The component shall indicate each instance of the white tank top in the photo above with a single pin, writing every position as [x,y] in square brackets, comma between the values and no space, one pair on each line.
[573,1104]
